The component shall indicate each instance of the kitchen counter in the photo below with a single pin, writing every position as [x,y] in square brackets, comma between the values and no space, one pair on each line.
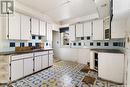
[22,52]
[108,50]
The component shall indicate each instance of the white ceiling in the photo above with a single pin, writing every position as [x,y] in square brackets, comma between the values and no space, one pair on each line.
[61,10]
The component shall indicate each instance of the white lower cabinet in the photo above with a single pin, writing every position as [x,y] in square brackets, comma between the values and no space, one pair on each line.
[111,66]
[44,61]
[37,63]
[50,59]
[16,69]
[28,66]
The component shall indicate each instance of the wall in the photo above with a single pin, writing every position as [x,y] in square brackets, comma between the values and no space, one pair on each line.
[69,54]
[128,51]
[81,19]
[31,12]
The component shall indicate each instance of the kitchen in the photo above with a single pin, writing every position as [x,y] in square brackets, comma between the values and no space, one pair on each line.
[65,43]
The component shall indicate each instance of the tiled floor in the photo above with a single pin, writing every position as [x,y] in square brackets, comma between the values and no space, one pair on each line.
[62,74]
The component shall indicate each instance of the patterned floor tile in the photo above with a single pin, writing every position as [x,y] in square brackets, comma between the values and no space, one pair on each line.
[62,74]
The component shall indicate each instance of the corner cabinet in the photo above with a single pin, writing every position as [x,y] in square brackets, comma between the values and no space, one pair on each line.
[72,34]
[98,31]
[34,26]
[13,23]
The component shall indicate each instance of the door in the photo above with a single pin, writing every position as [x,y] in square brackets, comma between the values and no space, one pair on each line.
[45,61]
[14,27]
[28,66]
[25,28]
[42,28]
[50,59]
[16,69]
[79,30]
[34,26]
[37,63]
[87,29]
[98,30]
[72,33]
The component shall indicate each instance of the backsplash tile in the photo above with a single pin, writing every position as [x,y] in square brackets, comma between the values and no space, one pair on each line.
[91,43]
[79,44]
[29,44]
[33,37]
[98,44]
[39,37]
[22,44]
[74,44]
[106,43]
[88,38]
[12,44]
[102,44]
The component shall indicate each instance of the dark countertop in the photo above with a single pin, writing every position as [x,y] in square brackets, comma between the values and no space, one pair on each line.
[108,50]
[23,52]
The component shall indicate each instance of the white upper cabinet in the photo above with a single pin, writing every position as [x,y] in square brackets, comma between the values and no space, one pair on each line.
[42,31]
[98,31]
[121,6]
[25,28]
[14,27]
[72,32]
[34,26]
[87,29]
[118,28]
[79,30]
[49,31]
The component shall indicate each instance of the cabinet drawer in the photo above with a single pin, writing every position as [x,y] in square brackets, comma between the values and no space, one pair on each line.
[50,52]
[41,53]
[22,56]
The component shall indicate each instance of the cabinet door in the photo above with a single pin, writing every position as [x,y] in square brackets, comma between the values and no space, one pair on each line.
[72,33]
[14,26]
[98,30]
[118,27]
[37,64]
[83,56]
[42,28]
[50,59]
[16,69]
[25,28]
[49,32]
[92,60]
[111,66]
[79,30]
[28,66]
[44,61]
[34,26]
[87,29]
